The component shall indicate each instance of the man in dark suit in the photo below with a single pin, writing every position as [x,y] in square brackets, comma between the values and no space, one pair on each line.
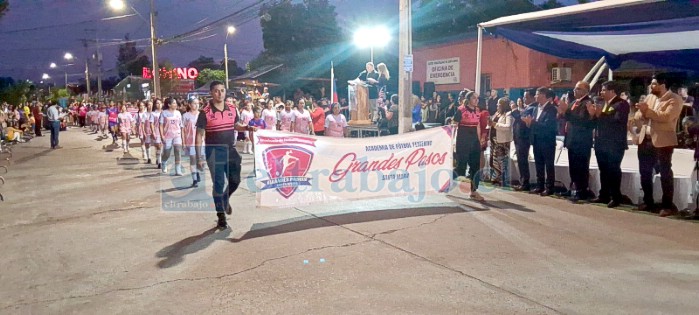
[579,114]
[611,142]
[521,137]
[543,126]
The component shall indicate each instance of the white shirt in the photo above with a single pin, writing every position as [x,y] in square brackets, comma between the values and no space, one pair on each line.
[52,113]
[539,110]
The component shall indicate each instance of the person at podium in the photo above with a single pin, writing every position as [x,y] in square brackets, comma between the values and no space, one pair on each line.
[371,78]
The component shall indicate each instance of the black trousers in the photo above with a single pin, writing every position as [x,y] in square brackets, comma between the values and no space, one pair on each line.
[224,165]
[609,162]
[523,162]
[579,166]
[648,157]
[472,160]
[544,158]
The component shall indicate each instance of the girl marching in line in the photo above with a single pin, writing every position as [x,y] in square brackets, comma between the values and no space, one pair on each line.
[246,115]
[269,115]
[189,122]
[125,123]
[335,123]
[148,129]
[255,122]
[171,134]
[301,122]
[286,116]
[113,118]
[141,119]
[103,120]
[155,131]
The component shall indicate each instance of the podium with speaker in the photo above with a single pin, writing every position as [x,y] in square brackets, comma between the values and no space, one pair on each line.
[359,103]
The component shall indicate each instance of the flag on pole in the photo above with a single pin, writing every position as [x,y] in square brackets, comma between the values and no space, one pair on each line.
[333,84]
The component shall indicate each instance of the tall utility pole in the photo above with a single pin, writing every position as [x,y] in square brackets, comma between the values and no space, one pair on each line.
[87,66]
[98,56]
[153,42]
[225,57]
[405,51]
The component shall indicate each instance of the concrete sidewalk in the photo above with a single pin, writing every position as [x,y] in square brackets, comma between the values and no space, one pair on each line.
[82,231]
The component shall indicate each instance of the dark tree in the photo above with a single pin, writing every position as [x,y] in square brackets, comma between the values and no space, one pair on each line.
[434,19]
[131,60]
[204,62]
[293,28]
[4,6]
[233,68]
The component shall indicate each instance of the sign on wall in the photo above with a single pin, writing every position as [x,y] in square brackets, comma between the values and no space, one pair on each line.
[443,71]
[175,73]
[294,169]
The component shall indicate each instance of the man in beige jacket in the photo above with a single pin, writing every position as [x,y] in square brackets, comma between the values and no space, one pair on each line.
[656,142]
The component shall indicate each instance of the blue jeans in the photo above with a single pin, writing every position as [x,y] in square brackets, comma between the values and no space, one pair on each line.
[224,164]
[55,128]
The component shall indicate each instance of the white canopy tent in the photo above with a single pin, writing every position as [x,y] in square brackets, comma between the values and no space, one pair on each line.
[652,31]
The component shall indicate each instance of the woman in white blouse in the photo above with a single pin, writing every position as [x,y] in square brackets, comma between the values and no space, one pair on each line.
[502,124]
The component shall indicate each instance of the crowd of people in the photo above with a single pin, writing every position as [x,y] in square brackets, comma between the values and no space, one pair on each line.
[604,121]
[176,127]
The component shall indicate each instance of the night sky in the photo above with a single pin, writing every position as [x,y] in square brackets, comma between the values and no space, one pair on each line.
[34,33]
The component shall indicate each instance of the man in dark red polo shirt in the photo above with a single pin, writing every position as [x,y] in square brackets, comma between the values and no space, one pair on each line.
[218,123]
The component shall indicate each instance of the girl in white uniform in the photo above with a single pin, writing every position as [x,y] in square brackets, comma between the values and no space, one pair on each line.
[269,115]
[189,133]
[335,123]
[155,129]
[148,129]
[286,117]
[141,119]
[103,120]
[302,121]
[246,115]
[171,133]
[125,124]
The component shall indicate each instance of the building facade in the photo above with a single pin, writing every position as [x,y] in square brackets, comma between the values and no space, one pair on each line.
[506,66]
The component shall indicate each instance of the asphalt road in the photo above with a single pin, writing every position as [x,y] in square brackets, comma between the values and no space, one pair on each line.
[85,230]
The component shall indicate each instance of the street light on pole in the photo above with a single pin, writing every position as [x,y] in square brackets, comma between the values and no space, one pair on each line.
[118,5]
[371,37]
[229,31]
[46,77]
[68,57]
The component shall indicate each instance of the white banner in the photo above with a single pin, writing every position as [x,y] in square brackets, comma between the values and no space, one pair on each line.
[443,71]
[294,169]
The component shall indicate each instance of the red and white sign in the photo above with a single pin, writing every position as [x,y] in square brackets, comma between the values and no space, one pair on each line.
[175,73]
[295,169]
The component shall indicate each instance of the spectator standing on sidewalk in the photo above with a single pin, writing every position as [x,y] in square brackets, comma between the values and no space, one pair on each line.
[38,118]
[55,125]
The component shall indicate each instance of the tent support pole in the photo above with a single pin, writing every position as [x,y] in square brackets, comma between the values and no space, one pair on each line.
[479,55]
[594,69]
[611,75]
[597,75]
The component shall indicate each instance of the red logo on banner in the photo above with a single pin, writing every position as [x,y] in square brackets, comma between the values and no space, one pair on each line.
[287,167]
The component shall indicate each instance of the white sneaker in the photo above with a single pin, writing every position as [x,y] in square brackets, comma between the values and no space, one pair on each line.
[178,170]
[165,169]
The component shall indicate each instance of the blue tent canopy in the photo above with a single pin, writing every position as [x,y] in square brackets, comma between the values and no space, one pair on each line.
[663,33]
